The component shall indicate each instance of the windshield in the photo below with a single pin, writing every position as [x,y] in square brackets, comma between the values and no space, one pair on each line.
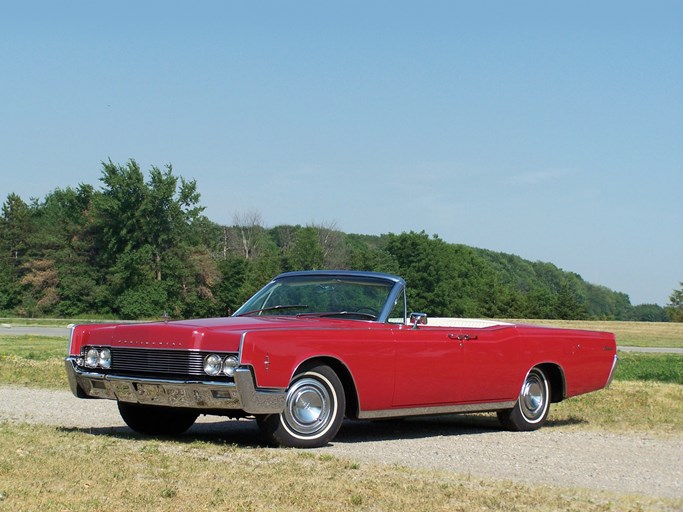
[355,297]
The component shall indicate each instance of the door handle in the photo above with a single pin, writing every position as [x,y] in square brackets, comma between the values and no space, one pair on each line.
[462,337]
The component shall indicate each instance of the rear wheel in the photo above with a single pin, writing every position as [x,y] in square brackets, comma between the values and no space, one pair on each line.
[156,420]
[314,410]
[533,404]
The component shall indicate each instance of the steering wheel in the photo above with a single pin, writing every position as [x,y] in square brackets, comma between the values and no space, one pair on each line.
[370,312]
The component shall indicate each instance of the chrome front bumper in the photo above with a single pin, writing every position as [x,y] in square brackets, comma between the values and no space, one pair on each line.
[193,394]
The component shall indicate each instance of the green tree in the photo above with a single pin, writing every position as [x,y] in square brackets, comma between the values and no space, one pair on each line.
[65,232]
[134,214]
[675,306]
[198,278]
[228,291]
[539,303]
[568,304]
[433,272]
[10,291]
[16,229]
[361,257]
[649,313]
[145,235]
[306,253]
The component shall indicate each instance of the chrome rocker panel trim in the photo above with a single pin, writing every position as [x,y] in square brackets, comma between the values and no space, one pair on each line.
[193,394]
[428,411]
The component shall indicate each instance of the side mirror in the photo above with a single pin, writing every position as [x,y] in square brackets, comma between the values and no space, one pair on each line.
[418,319]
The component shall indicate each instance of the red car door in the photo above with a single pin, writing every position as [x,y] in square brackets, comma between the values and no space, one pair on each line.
[492,365]
[429,362]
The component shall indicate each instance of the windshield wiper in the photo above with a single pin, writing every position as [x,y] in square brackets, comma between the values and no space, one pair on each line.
[273,308]
[332,314]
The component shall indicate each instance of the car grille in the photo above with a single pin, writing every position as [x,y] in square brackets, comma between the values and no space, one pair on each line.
[157,361]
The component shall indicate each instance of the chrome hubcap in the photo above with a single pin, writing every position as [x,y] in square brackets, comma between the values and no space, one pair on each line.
[308,407]
[533,397]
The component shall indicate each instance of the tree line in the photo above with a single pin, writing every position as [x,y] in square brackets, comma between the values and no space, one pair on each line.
[141,247]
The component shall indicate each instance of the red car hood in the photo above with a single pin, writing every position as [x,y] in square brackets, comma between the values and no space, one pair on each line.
[219,334]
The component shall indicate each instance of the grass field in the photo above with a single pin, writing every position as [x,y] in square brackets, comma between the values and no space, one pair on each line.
[35,348]
[650,367]
[53,322]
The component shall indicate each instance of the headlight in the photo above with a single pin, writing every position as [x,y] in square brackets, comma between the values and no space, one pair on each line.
[212,364]
[105,358]
[92,356]
[96,358]
[229,366]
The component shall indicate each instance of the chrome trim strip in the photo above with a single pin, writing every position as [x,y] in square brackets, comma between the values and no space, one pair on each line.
[611,372]
[195,394]
[439,409]
[239,349]
[72,328]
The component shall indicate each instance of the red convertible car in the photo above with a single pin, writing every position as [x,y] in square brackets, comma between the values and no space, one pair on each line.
[312,348]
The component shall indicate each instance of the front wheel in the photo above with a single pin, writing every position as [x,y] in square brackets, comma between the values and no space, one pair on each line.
[533,404]
[155,420]
[314,410]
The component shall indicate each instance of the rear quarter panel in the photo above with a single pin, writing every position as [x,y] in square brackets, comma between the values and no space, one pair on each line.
[585,357]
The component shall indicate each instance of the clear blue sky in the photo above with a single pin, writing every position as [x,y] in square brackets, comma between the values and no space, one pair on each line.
[551,130]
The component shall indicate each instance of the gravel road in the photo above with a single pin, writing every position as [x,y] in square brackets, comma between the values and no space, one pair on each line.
[628,463]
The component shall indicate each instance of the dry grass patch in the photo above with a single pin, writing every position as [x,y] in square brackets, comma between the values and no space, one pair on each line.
[48,469]
[634,334]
